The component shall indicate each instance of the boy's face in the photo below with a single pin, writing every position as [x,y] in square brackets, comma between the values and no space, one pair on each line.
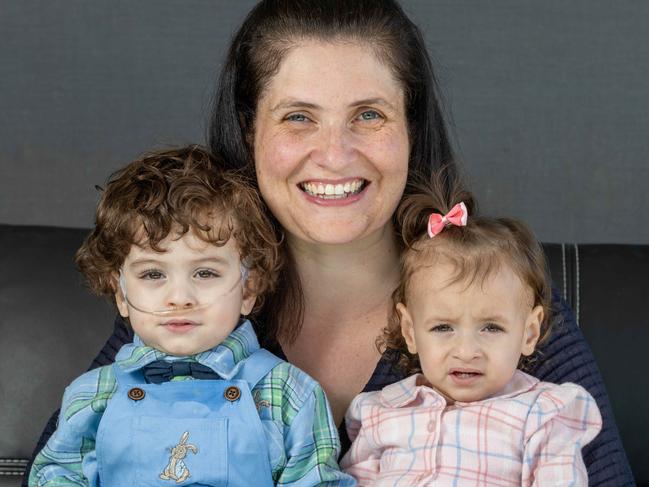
[199,281]
[469,339]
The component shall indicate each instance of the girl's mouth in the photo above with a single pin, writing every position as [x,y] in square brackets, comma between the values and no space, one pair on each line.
[331,191]
[464,377]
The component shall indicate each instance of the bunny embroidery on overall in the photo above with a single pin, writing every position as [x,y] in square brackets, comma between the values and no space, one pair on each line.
[186,432]
[176,468]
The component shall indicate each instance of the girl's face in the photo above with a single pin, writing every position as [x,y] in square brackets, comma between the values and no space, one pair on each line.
[469,337]
[199,281]
[331,143]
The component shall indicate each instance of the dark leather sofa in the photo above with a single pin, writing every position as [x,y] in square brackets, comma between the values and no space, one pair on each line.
[51,328]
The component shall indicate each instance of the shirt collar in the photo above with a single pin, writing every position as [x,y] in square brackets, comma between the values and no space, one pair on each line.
[411,391]
[225,359]
[520,382]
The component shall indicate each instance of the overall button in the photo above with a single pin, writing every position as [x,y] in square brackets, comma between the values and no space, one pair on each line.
[136,394]
[232,393]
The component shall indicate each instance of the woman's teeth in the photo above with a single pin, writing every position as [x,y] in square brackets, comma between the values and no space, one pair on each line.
[334,191]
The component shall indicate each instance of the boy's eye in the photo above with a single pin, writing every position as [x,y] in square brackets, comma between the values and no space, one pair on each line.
[206,274]
[493,328]
[152,275]
[442,328]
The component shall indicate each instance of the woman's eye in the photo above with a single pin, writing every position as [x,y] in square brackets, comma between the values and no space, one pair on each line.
[297,117]
[152,275]
[369,116]
[443,328]
[206,274]
[493,328]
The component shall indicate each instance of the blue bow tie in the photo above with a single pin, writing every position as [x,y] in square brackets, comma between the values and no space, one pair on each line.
[161,371]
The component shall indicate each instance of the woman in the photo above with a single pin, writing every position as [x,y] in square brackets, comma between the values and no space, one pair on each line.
[332,106]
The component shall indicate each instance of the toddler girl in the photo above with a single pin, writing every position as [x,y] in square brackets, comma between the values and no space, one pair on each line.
[185,251]
[470,310]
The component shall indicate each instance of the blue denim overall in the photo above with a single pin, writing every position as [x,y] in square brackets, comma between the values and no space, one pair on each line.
[192,432]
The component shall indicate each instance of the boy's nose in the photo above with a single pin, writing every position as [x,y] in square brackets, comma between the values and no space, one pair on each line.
[180,296]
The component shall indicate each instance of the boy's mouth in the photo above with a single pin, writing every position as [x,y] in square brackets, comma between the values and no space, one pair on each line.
[333,191]
[179,326]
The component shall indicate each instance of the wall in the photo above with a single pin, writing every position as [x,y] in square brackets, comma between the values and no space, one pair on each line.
[548,102]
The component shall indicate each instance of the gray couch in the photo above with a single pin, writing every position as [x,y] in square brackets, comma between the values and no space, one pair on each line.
[51,328]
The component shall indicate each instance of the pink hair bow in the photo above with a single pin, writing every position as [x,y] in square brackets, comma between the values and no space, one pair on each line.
[457,216]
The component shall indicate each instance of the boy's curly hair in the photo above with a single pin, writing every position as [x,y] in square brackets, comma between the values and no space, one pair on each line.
[177,191]
[475,251]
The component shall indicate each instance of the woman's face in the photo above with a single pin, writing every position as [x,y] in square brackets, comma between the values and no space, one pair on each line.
[331,143]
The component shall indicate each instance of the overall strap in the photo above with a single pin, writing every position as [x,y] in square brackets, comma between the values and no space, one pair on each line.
[257,366]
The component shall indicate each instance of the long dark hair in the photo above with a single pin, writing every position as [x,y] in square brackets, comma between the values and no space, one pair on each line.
[269,31]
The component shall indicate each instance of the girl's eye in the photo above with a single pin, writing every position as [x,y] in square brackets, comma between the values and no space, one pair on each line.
[493,328]
[152,275]
[206,274]
[443,328]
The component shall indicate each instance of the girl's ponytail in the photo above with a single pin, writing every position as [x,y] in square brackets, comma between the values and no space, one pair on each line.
[439,195]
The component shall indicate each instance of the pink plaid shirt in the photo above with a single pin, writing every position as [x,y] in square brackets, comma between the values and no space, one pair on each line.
[531,434]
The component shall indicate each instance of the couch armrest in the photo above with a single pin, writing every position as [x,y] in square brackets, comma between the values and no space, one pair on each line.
[607,287]
[51,328]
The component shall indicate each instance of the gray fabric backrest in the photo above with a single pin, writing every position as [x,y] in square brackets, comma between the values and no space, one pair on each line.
[547,101]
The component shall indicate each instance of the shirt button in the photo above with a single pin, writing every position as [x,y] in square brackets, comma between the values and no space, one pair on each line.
[136,394]
[431,426]
[232,393]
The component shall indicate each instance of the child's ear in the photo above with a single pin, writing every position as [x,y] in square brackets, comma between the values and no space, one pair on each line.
[122,307]
[249,294]
[532,330]
[407,328]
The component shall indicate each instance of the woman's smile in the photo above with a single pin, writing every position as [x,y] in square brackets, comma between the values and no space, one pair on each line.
[331,143]
[334,192]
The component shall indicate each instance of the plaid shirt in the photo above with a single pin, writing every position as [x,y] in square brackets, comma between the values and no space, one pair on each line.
[303,449]
[531,434]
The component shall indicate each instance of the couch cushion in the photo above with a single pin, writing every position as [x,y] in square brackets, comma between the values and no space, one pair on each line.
[47,311]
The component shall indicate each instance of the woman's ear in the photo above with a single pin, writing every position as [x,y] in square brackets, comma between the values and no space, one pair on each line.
[532,330]
[249,294]
[407,328]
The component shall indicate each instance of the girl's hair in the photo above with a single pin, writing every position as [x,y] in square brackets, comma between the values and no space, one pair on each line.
[475,251]
[174,192]
[269,32]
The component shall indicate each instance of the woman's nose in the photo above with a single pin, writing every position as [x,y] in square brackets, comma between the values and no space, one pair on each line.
[335,148]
